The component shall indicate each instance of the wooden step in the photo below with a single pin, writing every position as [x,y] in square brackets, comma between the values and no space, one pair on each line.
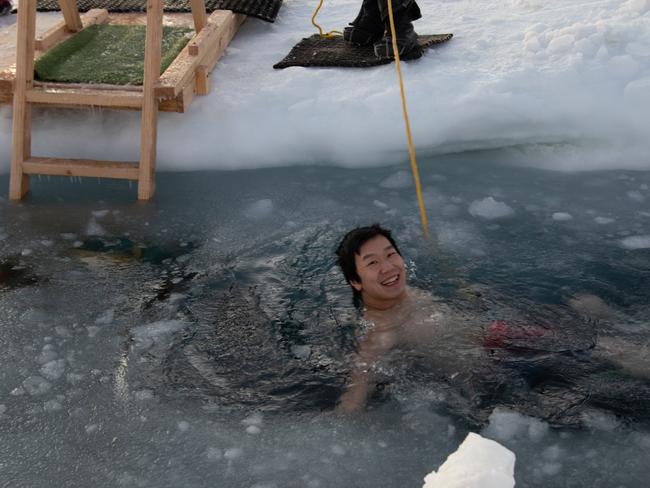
[123,170]
[85,97]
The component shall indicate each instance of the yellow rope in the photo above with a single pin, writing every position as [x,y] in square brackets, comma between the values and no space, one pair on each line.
[320,30]
[414,164]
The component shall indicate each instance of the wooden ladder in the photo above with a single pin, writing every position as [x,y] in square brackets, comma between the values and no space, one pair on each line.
[23,164]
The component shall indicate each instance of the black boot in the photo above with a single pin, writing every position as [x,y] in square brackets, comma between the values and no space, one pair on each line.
[404,13]
[367,27]
[5,7]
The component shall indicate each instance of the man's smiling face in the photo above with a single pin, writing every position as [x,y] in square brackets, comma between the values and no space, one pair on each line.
[382,275]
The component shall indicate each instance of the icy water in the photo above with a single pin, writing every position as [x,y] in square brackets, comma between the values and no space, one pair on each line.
[203,339]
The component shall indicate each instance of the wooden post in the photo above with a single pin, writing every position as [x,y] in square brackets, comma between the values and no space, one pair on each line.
[200,21]
[22,116]
[149,124]
[71,15]
[199,14]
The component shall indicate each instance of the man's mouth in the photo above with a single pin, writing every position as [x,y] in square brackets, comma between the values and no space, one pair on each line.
[391,281]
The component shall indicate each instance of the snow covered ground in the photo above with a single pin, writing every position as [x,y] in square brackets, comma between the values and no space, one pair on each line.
[566,85]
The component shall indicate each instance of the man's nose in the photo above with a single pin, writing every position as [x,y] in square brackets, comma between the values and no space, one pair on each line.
[386,265]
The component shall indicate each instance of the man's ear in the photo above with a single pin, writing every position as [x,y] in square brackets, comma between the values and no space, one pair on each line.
[356,285]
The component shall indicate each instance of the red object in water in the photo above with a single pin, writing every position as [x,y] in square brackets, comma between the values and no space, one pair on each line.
[500,334]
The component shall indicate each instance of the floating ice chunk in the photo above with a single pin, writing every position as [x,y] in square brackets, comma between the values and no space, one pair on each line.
[94,229]
[106,317]
[146,335]
[301,352]
[636,196]
[478,463]
[551,469]
[490,209]
[183,426]
[25,252]
[213,453]
[18,391]
[506,425]
[68,236]
[92,330]
[52,406]
[636,242]
[338,450]
[397,181]
[46,243]
[91,428]
[598,420]
[254,419]
[603,220]
[74,378]
[35,385]
[253,430]
[53,370]
[259,209]
[562,216]
[379,204]
[62,331]
[143,394]
[100,213]
[47,354]
[233,453]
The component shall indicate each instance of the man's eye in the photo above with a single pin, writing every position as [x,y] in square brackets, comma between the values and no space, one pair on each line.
[392,253]
[372,263]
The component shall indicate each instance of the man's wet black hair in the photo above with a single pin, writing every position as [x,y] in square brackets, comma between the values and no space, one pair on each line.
[351,245]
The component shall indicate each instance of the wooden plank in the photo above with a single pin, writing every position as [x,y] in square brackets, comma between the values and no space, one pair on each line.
[181,102]
[202,81]
[60,32]
[199,14]
[71,15]
[22,120]
[149,124]
[93,98]
[124,170]
[205,39]
[211,42]
[211,59]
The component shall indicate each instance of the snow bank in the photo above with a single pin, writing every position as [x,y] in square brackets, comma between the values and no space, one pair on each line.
[563,85]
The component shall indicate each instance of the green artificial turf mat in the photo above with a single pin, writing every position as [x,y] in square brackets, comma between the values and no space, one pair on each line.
[112,54]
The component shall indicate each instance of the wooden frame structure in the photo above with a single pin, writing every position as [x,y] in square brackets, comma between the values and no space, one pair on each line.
[171,91]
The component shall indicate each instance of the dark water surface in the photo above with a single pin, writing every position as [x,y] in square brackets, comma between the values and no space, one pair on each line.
[203,339]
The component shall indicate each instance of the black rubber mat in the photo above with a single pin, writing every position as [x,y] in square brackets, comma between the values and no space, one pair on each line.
[262,9]
[315,51]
